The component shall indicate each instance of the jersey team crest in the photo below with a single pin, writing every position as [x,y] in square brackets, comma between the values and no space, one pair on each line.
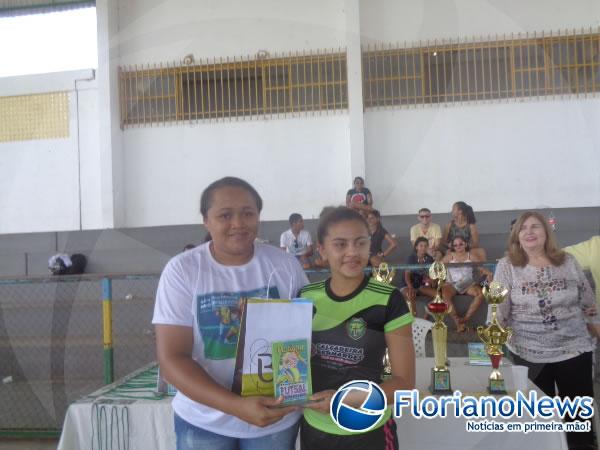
[356,328]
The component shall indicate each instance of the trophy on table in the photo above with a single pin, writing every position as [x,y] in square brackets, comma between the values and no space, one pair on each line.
[383,274]
[440,375]
[494,336]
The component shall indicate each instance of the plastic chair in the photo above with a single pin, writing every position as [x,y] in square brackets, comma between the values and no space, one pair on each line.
[420,328]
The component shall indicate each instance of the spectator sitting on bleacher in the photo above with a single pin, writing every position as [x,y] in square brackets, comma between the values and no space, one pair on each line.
[425,228]
[462,280]
[297,241]
[359,197]
[587,254]
[378,235]
[463,225]
[417,281]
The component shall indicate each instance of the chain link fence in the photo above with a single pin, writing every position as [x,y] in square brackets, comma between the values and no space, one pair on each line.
[55,347]
[51,344]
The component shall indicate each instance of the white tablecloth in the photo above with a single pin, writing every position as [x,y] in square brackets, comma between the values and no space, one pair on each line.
[142,424]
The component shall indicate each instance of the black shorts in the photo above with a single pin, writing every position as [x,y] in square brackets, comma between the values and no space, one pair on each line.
[382,438]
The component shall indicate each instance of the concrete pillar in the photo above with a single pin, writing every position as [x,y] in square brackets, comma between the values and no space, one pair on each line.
[355,95]
[111,136]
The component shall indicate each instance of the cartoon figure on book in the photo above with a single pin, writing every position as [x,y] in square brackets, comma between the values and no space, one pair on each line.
[288,371]
[355,318]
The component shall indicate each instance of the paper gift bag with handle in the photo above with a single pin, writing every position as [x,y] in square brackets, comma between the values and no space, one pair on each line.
[265,322]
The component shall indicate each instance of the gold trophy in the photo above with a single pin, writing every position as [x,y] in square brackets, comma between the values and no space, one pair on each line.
[494,336]
[383,274]
[440,375]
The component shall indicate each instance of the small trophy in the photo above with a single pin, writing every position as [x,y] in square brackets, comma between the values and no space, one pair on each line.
[383,274]
[494,337]
[440,375]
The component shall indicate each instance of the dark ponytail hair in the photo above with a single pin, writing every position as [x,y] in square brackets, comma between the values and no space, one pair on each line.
[467,212]
[207,196]
[332,215]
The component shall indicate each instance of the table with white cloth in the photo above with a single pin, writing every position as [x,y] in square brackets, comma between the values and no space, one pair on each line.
[129,415]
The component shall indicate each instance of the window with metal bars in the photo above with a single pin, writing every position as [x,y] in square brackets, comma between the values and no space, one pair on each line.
[225,90]
[497,69]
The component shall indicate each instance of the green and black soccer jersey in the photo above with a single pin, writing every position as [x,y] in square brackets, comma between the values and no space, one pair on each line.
[348,337]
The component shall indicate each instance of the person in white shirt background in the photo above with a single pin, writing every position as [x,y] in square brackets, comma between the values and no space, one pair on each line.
[297,241]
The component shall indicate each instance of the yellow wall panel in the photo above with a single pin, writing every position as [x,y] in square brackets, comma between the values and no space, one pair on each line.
[38,116]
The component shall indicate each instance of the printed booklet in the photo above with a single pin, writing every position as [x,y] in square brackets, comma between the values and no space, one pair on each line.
[291,371]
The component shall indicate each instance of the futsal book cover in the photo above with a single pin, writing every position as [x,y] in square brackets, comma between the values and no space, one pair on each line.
[291,371]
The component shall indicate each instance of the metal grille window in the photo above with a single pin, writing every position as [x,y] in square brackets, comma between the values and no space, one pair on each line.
[232,89]
[498,69]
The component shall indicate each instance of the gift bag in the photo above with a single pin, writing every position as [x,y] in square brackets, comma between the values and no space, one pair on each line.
[264,322]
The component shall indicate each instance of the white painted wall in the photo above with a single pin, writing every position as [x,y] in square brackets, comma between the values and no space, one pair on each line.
[515,155]
[413,20]
[296,164]
[495,156]
[39,186]
[159,31]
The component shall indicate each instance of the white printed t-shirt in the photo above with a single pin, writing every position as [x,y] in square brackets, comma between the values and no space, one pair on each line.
[287,240]
[196,291]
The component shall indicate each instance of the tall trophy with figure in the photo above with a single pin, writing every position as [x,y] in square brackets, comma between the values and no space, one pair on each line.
[494,337]
[385,275]
[440,375]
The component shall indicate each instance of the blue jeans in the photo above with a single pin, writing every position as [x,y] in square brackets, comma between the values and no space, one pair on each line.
[190,437]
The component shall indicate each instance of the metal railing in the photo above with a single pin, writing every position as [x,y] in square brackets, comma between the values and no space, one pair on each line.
[233,88]
[564,63]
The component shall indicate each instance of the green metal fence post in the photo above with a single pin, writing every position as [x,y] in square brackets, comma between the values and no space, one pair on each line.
[108,366]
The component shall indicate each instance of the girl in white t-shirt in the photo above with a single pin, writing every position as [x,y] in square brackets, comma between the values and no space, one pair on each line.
[197,321]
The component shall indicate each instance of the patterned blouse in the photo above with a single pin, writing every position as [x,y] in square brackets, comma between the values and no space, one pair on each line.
[545,308]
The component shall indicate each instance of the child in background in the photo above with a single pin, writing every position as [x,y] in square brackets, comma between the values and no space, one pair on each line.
[354,312]
[417,281]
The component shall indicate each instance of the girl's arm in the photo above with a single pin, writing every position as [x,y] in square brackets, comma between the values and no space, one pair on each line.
[474,236]
[392,244]
[446,258]
[174,350]
[446,233]
[407,278]
[370,199]
[402,358]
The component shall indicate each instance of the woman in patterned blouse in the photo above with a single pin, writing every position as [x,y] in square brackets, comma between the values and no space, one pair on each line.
[550,307]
